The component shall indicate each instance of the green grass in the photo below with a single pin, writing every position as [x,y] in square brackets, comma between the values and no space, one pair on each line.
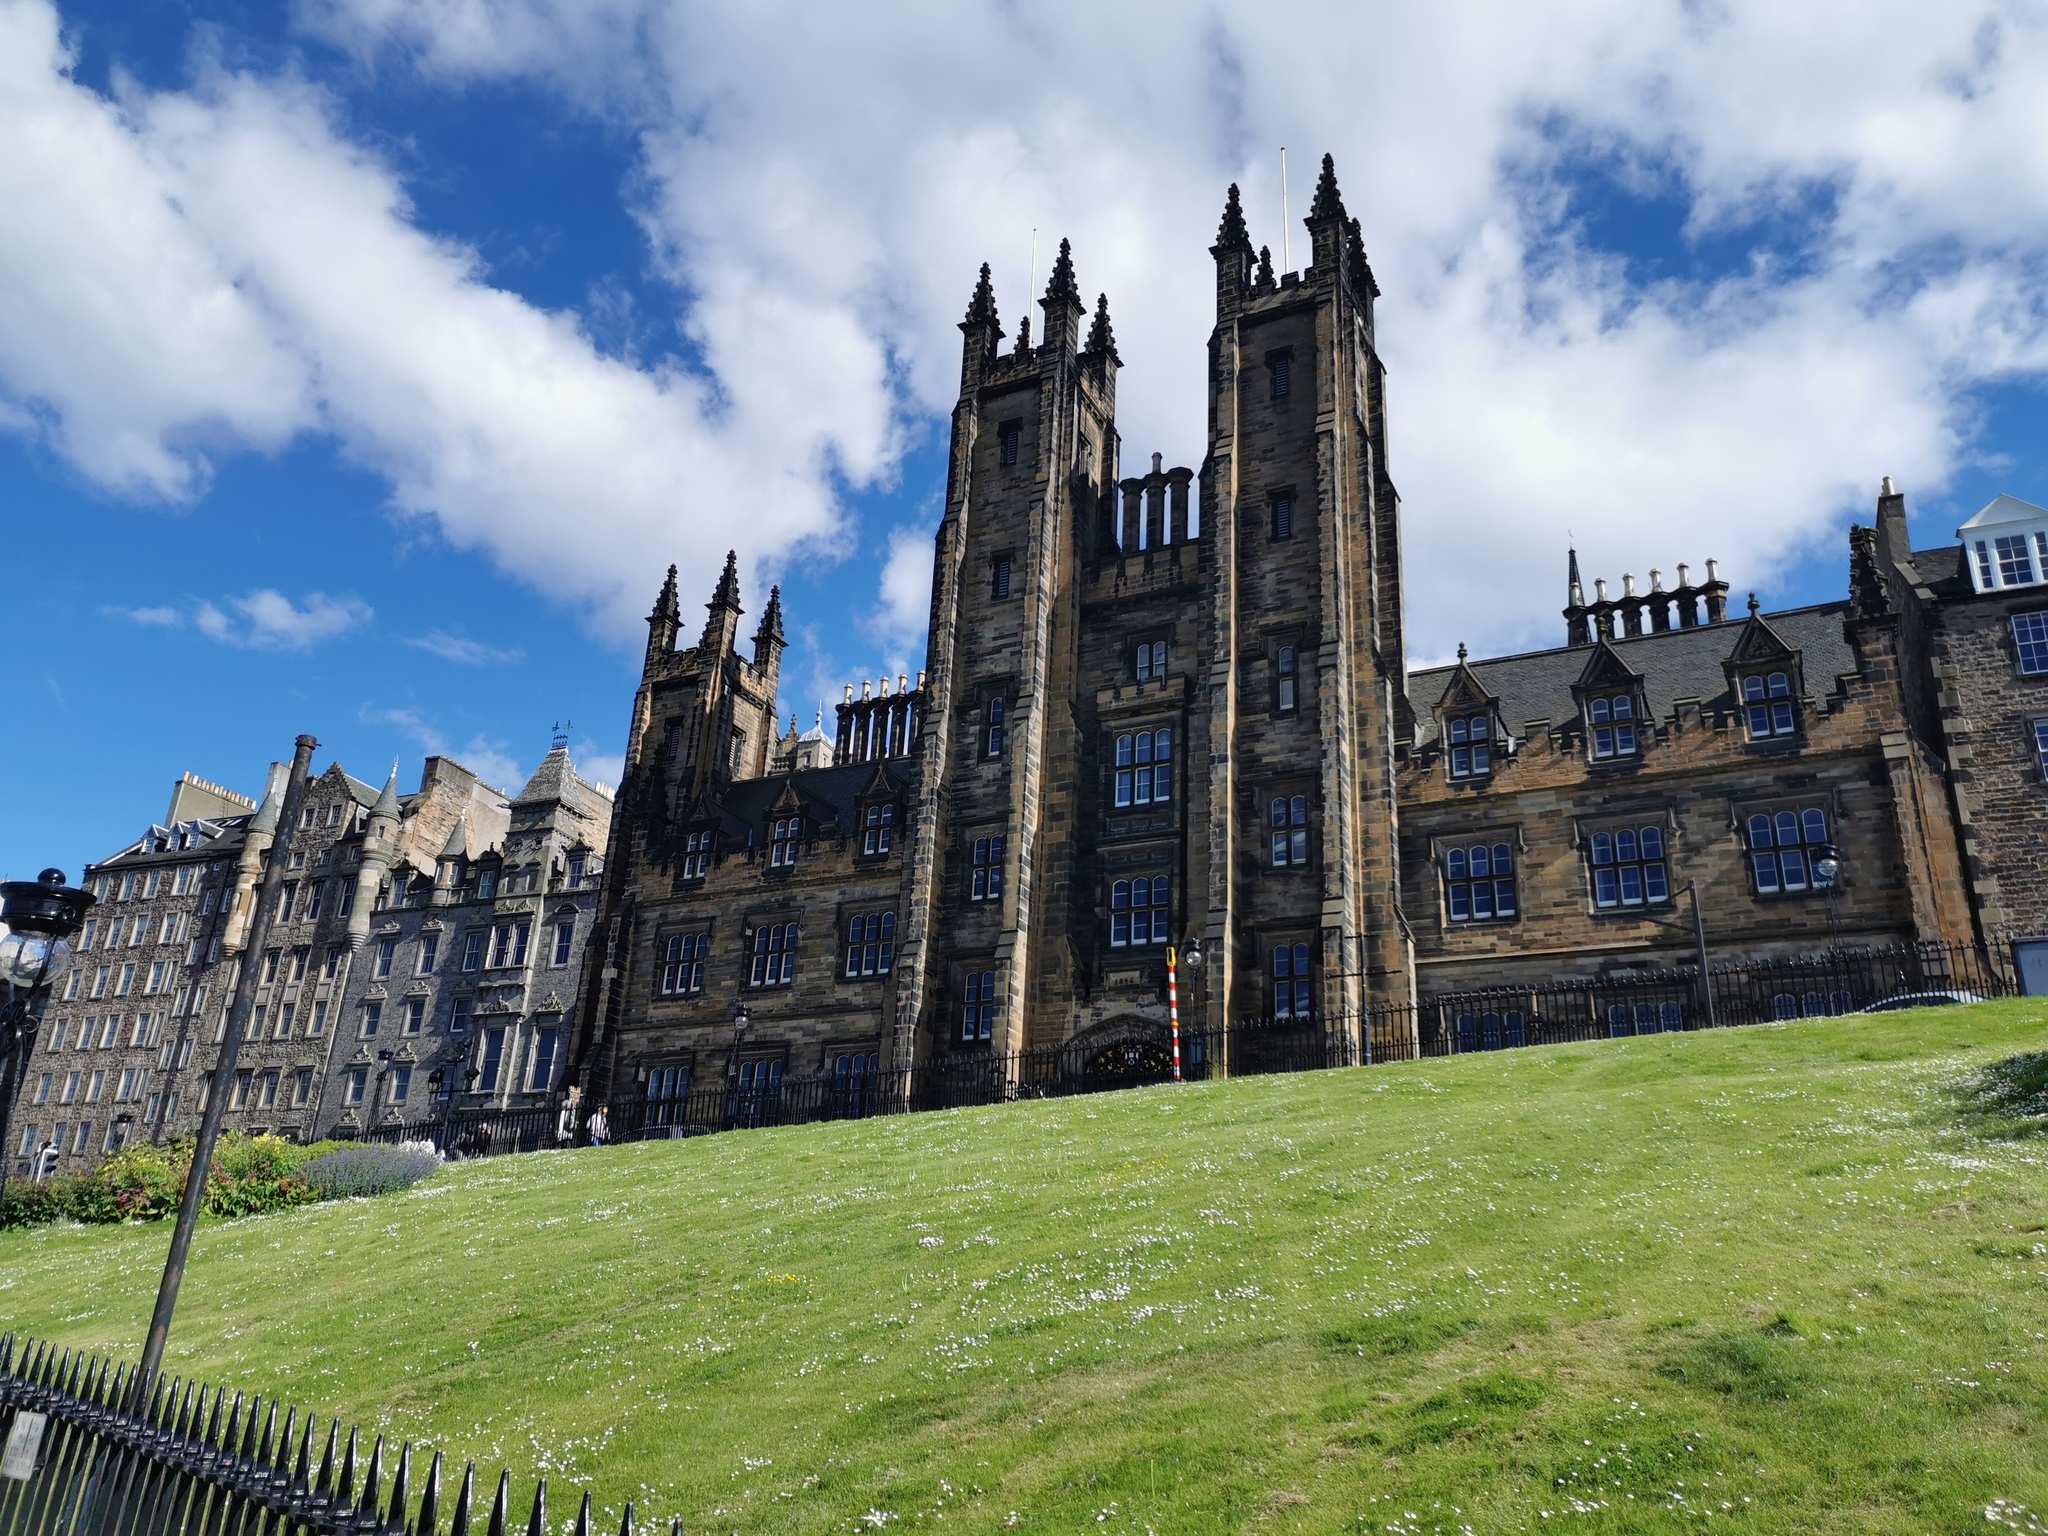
[1789,1278]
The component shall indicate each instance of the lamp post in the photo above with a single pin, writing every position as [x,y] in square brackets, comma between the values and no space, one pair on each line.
[1192,956]
[223,1075]
[40,917]
[1827,869]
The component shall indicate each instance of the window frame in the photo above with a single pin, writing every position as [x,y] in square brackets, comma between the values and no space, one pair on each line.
[1125,909]
[986,867]
[1474,891]
[868,942]
[1280,517]
[1138,768]
[1768,880]
[1623,873]
[878,828]
[1280,373]
[1762,700]
[2022,645]
[1290,978]
[1613,725]
[1470,737]
[978,1005]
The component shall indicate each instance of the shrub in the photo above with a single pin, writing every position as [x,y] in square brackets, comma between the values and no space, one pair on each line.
[371,1170]
[146,1182]
[252,1175]
[23,1204]
[84,1198]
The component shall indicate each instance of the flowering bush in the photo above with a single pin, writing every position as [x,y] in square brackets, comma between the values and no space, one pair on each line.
[371,1170]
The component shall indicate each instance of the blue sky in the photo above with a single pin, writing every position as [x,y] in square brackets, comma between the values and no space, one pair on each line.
[368,363]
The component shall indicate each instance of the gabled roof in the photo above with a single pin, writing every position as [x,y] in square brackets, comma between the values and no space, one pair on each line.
[1758,642]
[1606,669]
[556,779]
[832,794]
[1464,690]
[1678,664]
[2003,509]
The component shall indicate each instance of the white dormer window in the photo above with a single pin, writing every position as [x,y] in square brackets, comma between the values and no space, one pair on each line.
[2006,545]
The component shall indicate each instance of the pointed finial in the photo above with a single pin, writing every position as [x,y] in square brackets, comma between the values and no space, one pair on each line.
[1354,255]
[1328,203]
[1231,234]
[1754,605]
[1101,339]
[728,593]
[771,617]
[1264,279]
[1461,650]
[1061,287]
[981,309]
[1024,335]
[666,606]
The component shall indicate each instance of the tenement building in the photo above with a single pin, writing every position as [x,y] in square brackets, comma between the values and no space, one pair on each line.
[424,949]
[1174,705]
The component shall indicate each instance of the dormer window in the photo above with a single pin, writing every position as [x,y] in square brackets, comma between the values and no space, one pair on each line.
[880,829]
[1611,725]
[697,855]
[1767,698]
[486,884]
[1471,743]
[782,845]
[2019,560]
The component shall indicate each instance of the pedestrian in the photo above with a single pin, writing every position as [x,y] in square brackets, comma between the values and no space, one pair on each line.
[565,1122]
[600,1126]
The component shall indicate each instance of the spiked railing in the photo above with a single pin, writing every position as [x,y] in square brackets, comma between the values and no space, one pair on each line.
[193,1460]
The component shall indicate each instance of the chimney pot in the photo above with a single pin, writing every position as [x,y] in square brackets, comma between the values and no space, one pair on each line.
[1600,589]
[1887,489]
[1628,584]
[1656,579]
[1712,574]
[1684,580]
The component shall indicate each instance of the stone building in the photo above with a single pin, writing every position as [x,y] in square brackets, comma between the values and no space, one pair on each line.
[422,945]
[1123,715]
[1559,806]
[1977,634]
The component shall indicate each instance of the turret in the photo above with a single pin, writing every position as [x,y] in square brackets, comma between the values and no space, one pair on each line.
[768,641]
[1234,256]
[663,623]
[983,329]
[1062,305]
[449,867]
[256,843]
[722,628]
[1327,223]
[380,844]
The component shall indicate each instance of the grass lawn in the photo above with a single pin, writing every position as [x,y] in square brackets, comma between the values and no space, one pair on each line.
[1788,1278]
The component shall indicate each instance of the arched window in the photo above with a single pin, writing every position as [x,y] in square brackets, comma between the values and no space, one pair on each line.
[775,955]
[881,826]
[682,969]
[1628,867]
[1139,911]
[1293,984]
[1611,722]
[1290,830]
[1767,699]
[1479,881]
[1144,768]
[871,944]
[1781,846]
[1471,743]
[1151,660]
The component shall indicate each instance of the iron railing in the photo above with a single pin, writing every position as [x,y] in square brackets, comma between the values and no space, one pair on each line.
[1439,1024]
[82,1459]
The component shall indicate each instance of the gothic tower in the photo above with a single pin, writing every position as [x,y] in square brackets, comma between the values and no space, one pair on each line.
[989,884]
[1306,675]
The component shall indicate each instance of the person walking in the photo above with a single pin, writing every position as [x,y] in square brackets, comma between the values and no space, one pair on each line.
[600,1126]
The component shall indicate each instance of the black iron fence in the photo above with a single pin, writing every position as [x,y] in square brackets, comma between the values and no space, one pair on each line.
[1440,1024]
[82,1459]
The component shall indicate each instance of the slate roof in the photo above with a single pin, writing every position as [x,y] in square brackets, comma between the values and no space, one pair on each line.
[1678,664]
[557,780]
[1942,572]
[829,794]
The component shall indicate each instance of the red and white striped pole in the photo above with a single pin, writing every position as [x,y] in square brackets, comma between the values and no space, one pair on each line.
[1173,1005]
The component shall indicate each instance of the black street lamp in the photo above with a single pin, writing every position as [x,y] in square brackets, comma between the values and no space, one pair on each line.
[1827,871]
[40,917]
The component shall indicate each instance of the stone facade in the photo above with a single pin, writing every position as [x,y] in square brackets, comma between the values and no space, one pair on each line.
[427,944]
[1121,684]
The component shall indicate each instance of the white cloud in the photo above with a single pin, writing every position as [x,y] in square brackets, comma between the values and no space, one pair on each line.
[262,620]
[463,651]
[597,767]
[222,266]
[899,620]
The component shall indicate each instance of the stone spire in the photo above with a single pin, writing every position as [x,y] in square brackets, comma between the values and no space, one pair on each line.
[1328,206]
[1231,234]
[1265,282]
[1101,339]
[983,330]
[663,623]
[457,846]
[1356,266]
[387,802]
[768,640]
[723,624]
[1062,304]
